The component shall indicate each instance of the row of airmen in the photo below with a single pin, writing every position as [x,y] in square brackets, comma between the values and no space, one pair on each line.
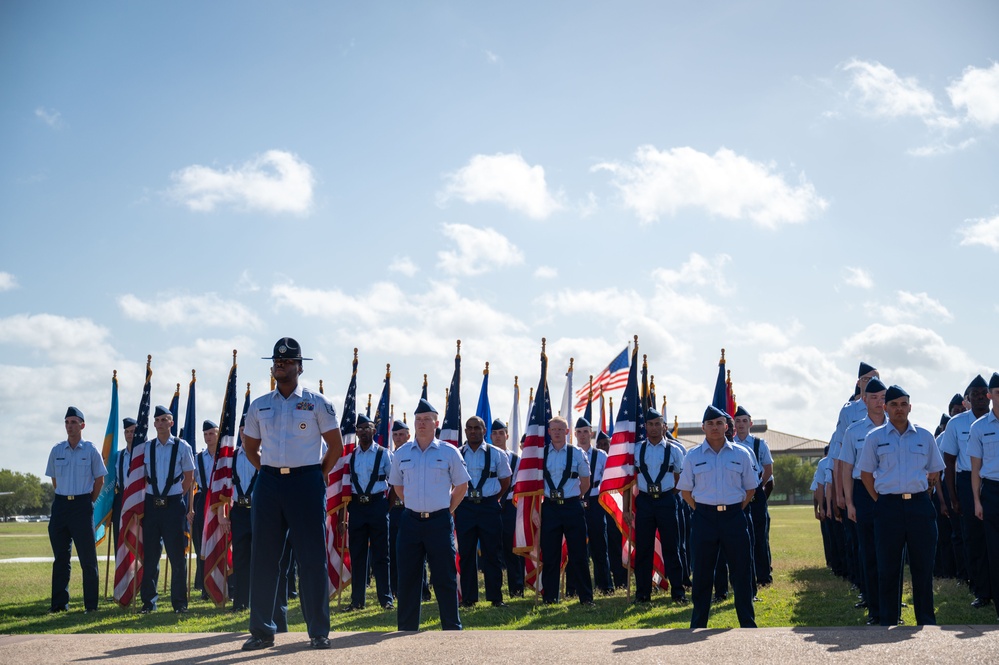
[292,441]
[881,498]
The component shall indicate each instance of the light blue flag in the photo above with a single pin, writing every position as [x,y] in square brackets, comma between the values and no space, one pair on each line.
[105,500]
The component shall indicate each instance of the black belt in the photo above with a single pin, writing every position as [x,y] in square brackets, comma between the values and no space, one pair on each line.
[293,470]
[479,499]
[162,501]
[427,516]
[73,497]
[989,481]
[720,509]
[365,499]
[562,502]
[904,497]
[657,495]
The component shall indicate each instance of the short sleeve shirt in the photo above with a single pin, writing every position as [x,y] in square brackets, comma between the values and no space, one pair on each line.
[765,457]
[75,468]
[900,462]
[362,463]
[983,443]
[290,429]
[853,443]
[163,453]
[657,454]
[426,476]
[721,478]
[475,461]
[597,460]
[954,440]
[850,413]
[556,461]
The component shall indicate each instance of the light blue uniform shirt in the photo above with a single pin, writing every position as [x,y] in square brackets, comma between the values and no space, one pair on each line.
[426,476]
[556,462]
[163,451]
[826,469]
[983,443]
[954,440]
[718,479]
[75,469]
[765,456]
[597,460]
[245,470]
[655,457]
[900,462]
[203,460]
[290,430]
[819,477]
[853,443]
[475,460]
[850,413]
[362,462]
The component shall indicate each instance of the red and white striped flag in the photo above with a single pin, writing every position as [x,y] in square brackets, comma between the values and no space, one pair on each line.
[216,546]
[128,556]
[338,492]
[619,475]
[529,490]
[614,377]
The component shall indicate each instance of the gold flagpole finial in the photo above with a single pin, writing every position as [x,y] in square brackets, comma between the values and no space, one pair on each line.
[486,370]
[114,375]
[149,360]
[458,353]
[355,354]
[544,342]
[722,356]
[404,417]
[515,384]
[321,387]
[194,377]
[388,370]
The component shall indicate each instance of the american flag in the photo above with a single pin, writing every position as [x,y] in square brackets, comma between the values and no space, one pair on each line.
[451,425]
[128,556]
[338,492]
[215,544]
[614,377]
[529,488]
[619,475]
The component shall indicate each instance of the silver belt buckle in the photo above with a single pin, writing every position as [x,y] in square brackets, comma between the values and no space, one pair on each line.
[70,497]
[722,509]
[424,516]
[285,471]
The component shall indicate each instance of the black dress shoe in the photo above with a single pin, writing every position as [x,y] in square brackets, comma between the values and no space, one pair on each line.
[320,643]
[720,599]
[388,606]
[426,597]
[180,610]
[862,605]
[147,609]
[979,603]
[467,604]
[587,603]
[517,594]
[499,603]
[90,610]
[681,600]
[56,610]
[257,643]
[874,621]
[353,607]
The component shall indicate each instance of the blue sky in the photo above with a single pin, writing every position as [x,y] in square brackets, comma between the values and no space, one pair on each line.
[805,184]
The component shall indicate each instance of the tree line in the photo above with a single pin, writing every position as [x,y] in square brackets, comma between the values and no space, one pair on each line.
[24,494]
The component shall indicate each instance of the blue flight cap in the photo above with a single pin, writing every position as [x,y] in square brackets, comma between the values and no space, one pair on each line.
[73,412]
[712,413]
[399,426]
[128,422]
[497,425]
[739,411]
[652,414]
[977,382]
[864,369]
[363,420]
[875,386]
[895,392]
[582,422]
[958,398]
[207,425]
[162,411]
[994,381]
[424,407]
[602,436]
[944,419]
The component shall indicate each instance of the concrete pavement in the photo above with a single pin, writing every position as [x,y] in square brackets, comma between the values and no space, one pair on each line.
[939,644]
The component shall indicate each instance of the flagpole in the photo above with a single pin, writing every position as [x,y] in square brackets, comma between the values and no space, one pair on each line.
[135,575]
[536,531]
[107,562]
[339,582]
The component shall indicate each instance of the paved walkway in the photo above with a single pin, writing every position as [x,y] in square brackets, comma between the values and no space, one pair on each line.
[939,644]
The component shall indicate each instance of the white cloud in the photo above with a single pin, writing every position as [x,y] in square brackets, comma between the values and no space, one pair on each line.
[478,250]
[50,117]
[208,310]
[882,93]
[698,271]
[981,232]
[858,277]
[977,92]
[908,306]
[546,272]
[7,282]
[403,265]
[63,339]
[492,57]
[246,283]
[502,178]
[941,148]
[275,182]
[906,346]
[725,184]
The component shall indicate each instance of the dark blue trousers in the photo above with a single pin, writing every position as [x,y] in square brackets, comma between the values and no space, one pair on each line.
[973,533]
[727,531]
[683,526]
[431,540]
[901,524]
[514,563]
[289,509]
[868,551]
[480,524]
[367,530]
[761,536]
[653,515]
[990,522]
[73,522]
[596,538]
[615,548]
[166,523]
[557,522]
[116,518]
[395,518]
[242,542]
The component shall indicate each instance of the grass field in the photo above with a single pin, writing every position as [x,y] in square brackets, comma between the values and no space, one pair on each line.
[804,593]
